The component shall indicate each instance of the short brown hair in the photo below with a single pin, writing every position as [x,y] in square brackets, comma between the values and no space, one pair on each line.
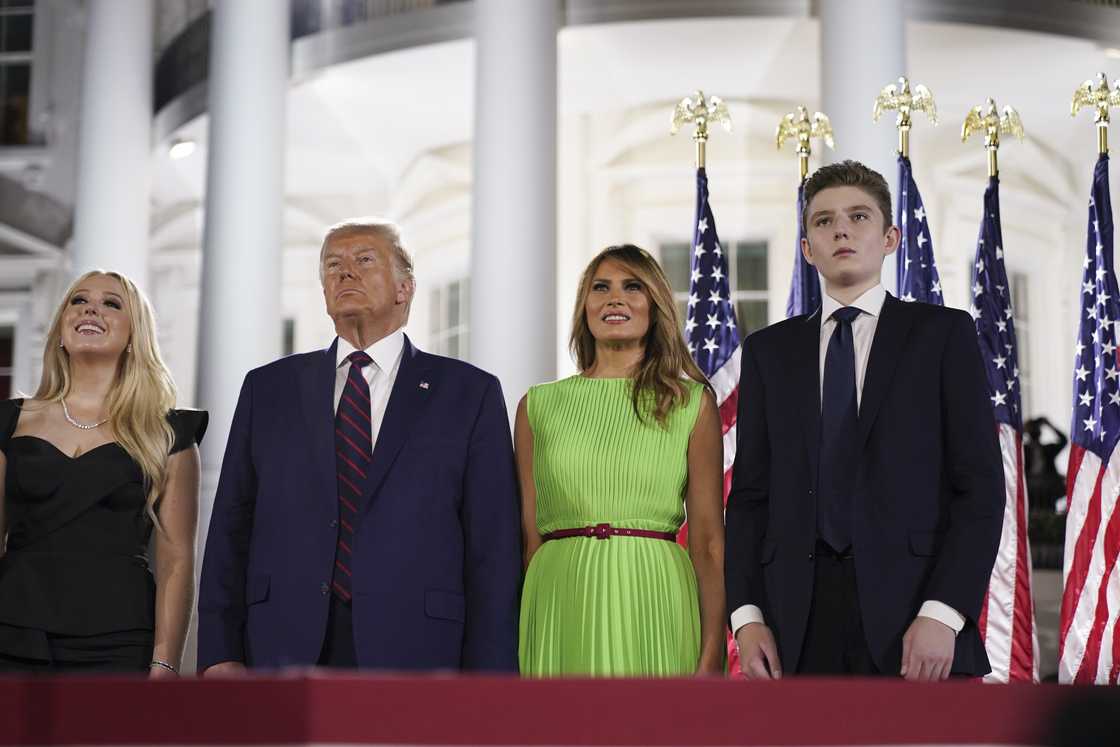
[849,174]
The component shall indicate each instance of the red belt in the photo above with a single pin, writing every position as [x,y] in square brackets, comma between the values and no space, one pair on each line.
[604,531]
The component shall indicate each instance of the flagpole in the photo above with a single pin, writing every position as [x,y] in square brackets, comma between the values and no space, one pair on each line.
[713,344]
[900,97]
[986,118]
[699,110]
[916,277]
[1095,93]
[1009,630]
[797,124]
[1084,649]
[805,288]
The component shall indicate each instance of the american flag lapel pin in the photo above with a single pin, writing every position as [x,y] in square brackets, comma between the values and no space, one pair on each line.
[424,385]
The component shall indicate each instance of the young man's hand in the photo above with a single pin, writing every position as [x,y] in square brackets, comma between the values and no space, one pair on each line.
[927,650]
[758,653]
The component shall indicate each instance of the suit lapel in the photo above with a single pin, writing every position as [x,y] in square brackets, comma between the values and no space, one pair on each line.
[407,402]
[317,403]
[807,384]
[890,340]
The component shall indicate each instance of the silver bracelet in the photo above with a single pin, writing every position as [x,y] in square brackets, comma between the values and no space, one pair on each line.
[164,664]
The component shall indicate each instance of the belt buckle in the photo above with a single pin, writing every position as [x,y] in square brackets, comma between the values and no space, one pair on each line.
[600,531]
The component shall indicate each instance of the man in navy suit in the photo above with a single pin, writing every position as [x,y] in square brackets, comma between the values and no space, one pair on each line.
[867,493]
[367,512]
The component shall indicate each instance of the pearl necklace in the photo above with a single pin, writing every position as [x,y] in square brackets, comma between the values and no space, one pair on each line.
[76,424]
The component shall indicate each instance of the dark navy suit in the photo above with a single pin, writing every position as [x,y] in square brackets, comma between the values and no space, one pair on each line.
[929,494]
[437,548]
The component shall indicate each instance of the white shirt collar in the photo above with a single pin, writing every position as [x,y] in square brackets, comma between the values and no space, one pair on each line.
[385,352]
[871,302]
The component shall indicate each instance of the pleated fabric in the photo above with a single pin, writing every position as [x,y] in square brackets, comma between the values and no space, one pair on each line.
[623,606]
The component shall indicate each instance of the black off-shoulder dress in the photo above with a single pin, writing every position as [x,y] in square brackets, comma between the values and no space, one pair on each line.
[76,590]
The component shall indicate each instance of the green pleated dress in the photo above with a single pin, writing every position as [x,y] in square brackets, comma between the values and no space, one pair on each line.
[623,606]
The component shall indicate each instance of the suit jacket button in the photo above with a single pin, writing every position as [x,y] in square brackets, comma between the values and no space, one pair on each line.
[334,523]
[810,491]
[324,587]
[810,557]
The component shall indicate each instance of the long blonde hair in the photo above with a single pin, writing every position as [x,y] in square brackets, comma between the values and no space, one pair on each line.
[142,392]
[666,355]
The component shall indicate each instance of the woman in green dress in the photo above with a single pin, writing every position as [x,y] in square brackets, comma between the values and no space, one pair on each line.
[609,460]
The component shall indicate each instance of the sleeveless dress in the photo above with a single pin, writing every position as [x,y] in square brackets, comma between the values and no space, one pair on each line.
[76,590]
[622,606]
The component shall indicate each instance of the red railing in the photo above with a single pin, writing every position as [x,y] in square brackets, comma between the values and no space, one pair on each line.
[337,709]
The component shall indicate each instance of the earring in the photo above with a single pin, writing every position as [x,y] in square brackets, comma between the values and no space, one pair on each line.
[129,348]
[60,343]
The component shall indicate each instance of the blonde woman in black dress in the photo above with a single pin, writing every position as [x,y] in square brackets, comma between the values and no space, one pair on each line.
[89,466]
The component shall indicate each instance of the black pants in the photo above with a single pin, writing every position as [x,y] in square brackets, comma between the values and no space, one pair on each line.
[27,650]
[338,646]
[835,643]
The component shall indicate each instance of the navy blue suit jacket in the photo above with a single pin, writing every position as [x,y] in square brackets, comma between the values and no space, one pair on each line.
[437,547]
[929,497]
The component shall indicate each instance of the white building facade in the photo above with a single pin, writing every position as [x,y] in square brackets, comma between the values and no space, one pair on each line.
[512,140]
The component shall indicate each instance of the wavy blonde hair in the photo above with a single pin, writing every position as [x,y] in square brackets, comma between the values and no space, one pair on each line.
[142,392]
[666,355]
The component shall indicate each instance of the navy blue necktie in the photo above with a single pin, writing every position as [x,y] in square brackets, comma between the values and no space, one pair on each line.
[353,443]
[839,432]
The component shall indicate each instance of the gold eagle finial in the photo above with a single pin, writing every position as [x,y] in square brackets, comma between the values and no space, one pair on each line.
[1096,93]
[797,124]
[905,101]
[987,118]
[699,110]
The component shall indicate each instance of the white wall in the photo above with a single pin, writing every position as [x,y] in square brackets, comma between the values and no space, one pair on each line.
[621,178]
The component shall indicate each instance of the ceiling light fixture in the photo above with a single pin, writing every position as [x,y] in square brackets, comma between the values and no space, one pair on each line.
[1112,53]
[181,148]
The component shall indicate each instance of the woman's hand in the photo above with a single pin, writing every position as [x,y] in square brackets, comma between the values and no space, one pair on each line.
[710,666]
[156,672]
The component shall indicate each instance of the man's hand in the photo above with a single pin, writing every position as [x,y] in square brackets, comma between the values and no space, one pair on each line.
[226,669]
[927,650]
[758,653]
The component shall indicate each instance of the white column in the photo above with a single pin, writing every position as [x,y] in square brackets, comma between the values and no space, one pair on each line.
[513,254]
[22,351]
[239,298]
[114,140]
[863,48]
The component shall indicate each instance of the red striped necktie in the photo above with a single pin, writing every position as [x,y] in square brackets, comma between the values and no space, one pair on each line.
[353,446]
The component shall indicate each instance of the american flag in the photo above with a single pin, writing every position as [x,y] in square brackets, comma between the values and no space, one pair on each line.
[713,335]
[917,272]
[1088,644]
[1007,622]
[805,288]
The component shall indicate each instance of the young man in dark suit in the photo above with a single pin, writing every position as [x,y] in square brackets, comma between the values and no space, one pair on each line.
[867,494]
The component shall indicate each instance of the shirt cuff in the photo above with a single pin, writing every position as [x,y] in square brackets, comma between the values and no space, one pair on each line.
[942,613]
[745,615]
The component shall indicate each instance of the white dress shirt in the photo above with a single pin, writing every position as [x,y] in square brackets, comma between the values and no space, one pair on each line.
[863,334]
[380,375]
